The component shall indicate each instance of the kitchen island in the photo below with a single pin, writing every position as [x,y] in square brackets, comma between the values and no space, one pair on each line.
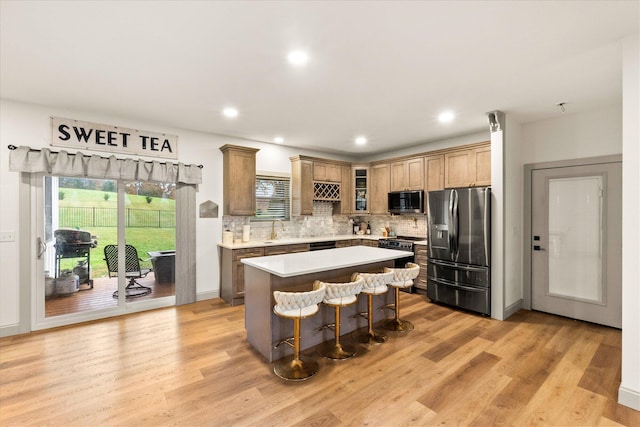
[297,272]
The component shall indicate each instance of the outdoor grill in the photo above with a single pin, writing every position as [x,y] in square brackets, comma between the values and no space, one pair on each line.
[72,243]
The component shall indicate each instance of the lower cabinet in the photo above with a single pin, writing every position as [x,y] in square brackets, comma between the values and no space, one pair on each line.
[232,273]
[368,242]
[420,252]
[346,243]
[286,249]
[232,268]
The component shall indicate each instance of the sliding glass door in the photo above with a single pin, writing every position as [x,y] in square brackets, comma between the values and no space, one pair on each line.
[85,229]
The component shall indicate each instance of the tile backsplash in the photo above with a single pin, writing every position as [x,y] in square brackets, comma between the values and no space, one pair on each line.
[324,223]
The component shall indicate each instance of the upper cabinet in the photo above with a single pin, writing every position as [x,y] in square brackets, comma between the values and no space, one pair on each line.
[482,161]
[363,188]
[434,172]
[468,168]
[346,193]
[360,189]
[379,188]
[319,179]
[301,186]
[407,174]
[239,180]
[327,172]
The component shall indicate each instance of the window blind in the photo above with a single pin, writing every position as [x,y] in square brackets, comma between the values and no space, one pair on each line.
[273,200]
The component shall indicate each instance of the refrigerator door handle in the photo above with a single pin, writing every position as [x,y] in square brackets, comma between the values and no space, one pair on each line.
[487,225]
[454,223]
[456,266]
[456,285]
[451,230]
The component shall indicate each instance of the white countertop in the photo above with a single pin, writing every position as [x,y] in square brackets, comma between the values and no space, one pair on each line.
[296,264]
[294,240]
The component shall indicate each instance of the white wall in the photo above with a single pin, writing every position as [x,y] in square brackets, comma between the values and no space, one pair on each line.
[26,124]
[629,392]
[570,136]
[513,182]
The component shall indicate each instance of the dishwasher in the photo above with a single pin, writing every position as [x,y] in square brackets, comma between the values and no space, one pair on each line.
[318,246]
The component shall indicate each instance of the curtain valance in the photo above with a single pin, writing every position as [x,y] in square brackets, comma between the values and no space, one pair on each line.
[25,159]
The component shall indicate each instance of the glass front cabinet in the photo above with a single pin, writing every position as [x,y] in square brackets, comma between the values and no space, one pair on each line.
[361,189]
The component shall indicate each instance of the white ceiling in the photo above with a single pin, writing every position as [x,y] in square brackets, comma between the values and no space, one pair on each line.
[380,69]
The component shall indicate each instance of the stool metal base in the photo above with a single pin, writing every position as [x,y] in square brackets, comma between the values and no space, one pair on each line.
[339,351]
[370,338]
[291,369]
[397,325]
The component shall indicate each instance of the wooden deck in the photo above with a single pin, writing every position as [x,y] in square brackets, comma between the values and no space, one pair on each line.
[191,365]
[101,296]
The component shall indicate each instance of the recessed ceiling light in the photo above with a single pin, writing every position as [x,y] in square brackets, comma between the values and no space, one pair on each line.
[446,117]
[278,140]
[298,57]
[230,112]
[361,140]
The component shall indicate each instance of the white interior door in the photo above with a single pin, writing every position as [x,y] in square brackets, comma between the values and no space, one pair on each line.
[577,242]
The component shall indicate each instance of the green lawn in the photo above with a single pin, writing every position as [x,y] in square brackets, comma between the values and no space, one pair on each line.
[144,239]
[75,197]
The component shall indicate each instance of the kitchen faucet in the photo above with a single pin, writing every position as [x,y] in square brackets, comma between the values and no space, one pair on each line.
[274,235]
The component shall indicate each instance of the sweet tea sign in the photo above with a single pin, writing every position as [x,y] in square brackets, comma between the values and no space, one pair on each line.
[114,139]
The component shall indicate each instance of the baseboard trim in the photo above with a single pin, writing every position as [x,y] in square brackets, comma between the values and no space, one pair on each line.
[512,309]
[207,295]
[9,330]
[628,397]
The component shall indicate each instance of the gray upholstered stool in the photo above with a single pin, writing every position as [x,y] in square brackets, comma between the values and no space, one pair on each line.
[374,284]
[402,278]
[296,306]
[338,295]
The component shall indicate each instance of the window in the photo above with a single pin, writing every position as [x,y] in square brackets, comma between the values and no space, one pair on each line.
[273,200]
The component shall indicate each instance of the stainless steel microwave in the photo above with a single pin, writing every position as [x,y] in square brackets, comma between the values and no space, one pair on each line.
[401,202]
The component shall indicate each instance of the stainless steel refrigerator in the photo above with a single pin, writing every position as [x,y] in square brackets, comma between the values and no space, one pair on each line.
[459,257]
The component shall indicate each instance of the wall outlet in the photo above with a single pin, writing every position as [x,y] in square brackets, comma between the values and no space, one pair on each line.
[7,236]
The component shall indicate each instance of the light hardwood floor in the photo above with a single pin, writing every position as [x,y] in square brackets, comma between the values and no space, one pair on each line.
[191,366]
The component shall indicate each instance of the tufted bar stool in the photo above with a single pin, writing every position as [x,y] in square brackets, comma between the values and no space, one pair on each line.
[402,278]
[338,295]
[374,284]
[296,306]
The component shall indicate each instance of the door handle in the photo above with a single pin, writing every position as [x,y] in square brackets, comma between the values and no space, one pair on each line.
[538,248]
[42,248]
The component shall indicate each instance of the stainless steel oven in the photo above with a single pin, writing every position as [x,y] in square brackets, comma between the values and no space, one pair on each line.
[401,244]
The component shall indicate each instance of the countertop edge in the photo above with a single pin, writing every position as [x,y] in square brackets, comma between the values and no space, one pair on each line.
[278,269]
[296,240]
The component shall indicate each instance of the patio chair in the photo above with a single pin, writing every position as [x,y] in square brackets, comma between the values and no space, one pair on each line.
[133,270]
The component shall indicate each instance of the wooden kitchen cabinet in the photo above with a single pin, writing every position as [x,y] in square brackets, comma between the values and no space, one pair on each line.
[347,243]
[301,186]
[327,172]
[407,174]
[379,189]
[345,206]
[286,249]
[434,173]
[238,180]
[360,189]
[468,168]
[369,242]
[317,179]
[232,273]
[482,161]
[420,252]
